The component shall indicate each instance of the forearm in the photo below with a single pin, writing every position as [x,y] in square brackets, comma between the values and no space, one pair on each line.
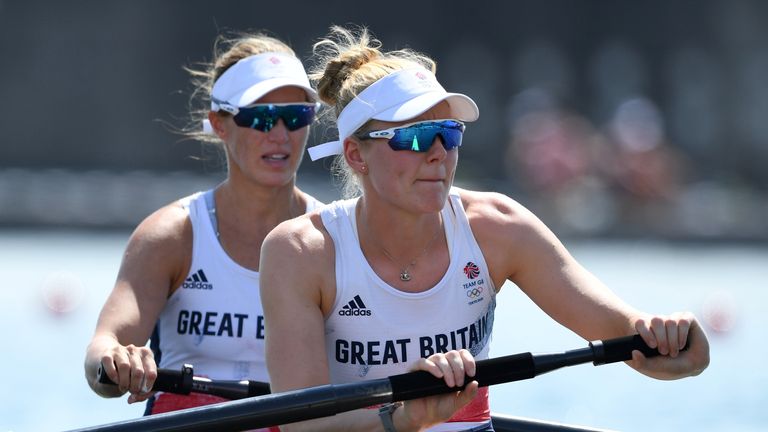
[580,302]
[605,319]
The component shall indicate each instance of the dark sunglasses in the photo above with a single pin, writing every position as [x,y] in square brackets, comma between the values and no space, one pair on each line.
[419,136]
[263,117]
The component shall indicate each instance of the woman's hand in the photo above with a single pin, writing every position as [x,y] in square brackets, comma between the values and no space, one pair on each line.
[133,368]
[669,334]
[452,367]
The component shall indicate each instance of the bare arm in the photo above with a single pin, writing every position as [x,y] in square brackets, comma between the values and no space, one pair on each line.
[155,262]
[520,248]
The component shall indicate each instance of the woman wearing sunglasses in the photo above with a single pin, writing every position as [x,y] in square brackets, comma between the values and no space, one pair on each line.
[189,276]
[405,275]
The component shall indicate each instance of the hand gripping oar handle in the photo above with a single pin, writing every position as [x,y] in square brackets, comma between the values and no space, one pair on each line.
[620,349]
[331,399]
[184,382]
[168,380]
[414,385]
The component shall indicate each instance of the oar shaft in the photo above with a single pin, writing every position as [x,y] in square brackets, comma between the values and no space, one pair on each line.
[262,411]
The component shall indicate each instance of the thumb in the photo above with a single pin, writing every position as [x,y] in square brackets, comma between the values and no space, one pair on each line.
[465,396]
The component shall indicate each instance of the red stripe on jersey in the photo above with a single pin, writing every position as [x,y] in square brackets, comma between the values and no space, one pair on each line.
[478,410]
[167,402]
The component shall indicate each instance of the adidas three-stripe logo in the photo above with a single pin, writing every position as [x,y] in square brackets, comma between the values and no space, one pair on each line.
[197,281]
[355,307]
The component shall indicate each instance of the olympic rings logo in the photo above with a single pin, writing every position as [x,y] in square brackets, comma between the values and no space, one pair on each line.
[475,292]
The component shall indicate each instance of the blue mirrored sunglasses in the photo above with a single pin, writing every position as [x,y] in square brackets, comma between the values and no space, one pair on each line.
[419,136]
[263,117]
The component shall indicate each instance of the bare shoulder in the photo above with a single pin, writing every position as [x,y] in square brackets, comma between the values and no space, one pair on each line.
[511,237]
[167,227]
[304,248]
[301,235]
[303,242]
[490,211]
[160,247]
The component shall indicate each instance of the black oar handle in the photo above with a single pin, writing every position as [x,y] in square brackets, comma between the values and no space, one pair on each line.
[184,382]
[168,380]
[620,349]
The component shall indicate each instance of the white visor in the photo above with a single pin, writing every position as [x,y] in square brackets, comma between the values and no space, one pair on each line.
[253,77]
[399,96]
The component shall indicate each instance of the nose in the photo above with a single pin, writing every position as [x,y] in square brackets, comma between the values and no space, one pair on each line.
[279,132]
[437,150]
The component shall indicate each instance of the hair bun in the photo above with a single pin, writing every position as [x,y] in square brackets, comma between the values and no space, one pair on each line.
[349,60]
[338,70]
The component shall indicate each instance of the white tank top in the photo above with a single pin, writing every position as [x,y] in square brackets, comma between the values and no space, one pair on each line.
[375,330]
[214,320]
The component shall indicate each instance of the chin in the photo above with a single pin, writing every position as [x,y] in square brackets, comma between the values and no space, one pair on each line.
[433,202]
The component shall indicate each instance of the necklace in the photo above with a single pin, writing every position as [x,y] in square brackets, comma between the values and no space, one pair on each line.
[405,274]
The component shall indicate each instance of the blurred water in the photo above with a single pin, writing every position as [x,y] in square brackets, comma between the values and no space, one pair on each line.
[43,388]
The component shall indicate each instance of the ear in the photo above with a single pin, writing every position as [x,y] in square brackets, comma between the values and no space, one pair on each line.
[217,123]
[353,153]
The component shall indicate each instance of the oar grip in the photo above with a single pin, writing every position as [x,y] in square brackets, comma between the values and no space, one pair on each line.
[620,349]
[168,380]
[414,385]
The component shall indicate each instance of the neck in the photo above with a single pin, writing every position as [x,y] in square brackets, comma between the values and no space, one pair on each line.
[396,232]
[256,205]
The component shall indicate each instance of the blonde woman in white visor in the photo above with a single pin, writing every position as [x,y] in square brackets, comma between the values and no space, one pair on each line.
[405,275]
[192,266]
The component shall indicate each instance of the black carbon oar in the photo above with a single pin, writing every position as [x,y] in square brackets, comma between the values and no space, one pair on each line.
[331,399]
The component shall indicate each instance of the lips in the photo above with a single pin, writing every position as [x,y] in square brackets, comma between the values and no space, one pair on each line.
[276,156]
[431,179]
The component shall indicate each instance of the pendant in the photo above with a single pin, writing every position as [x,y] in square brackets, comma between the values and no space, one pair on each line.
[405,276]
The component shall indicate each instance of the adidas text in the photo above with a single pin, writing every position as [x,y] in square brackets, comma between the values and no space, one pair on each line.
[355,312]
[197,285]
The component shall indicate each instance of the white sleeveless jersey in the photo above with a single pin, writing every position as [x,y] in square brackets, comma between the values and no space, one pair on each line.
[214,320]
[375,330]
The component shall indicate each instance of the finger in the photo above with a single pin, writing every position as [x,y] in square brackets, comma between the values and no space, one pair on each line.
[150,371]
[644,330]
[429,366]
[467,395]
[659,331]
[671,330]
[137,370]
[134,397]
[638,359]
[108,367]
[683,331]
[445,367]
[470,367]
[456,363]
[122,365]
